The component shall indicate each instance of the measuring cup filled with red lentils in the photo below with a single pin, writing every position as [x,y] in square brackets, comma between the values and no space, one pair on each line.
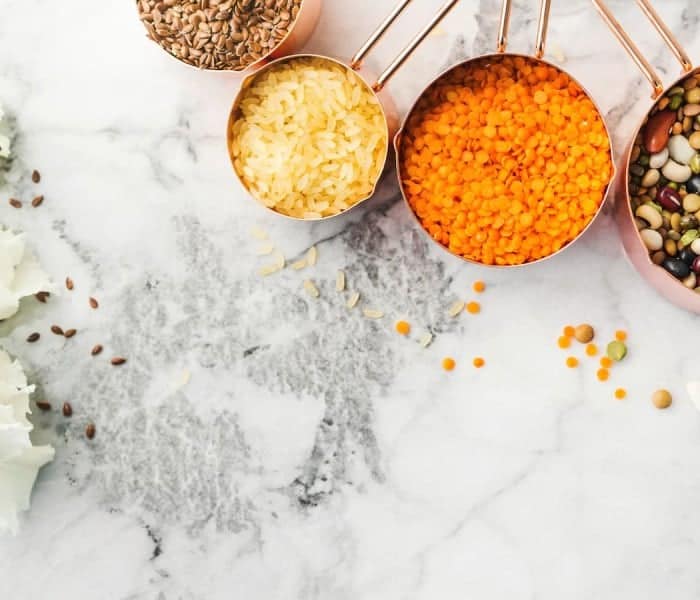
[505,159]
[308,135]
[658,197]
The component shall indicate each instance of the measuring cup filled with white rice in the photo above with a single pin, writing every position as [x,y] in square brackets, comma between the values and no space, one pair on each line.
[308,137]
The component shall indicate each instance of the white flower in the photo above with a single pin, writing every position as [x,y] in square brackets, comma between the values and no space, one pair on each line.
[19,460]
[20,273]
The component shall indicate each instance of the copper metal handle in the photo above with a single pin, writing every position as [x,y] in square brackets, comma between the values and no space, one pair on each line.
[631,48]
[503,26]
[542,25]
[378,34]
[668,37]
[405,54]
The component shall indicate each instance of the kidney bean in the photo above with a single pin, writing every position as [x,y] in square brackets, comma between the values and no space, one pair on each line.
[670,199]
[658,131]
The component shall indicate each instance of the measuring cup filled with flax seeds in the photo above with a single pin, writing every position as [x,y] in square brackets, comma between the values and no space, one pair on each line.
[505,159]
[229,35]
[308,135]
[658,194]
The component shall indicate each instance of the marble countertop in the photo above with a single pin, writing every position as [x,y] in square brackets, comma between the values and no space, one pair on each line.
[262,445]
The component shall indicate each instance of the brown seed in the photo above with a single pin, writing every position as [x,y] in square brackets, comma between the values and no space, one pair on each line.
[15,203]
[36,176]
[67,410]
[662,399]
[56,329]
[584,333]
[37,201]
[69,283]
[118,360]
[96,350]
[69,333]
[43,405]
[90,431]
[94,303]
[34,337]
[42,296]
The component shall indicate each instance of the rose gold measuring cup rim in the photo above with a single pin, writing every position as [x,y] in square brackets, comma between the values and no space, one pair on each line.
[304,13]
[355,66]
[234,110]
[676,291]
[502,42]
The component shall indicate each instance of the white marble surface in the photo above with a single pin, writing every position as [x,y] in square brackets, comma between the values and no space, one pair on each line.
[314,454]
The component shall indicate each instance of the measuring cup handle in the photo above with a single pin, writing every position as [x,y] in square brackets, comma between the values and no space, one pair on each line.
[668,37]
[542,27]
[503,26]
[413,44]
[377,35]
[631,47]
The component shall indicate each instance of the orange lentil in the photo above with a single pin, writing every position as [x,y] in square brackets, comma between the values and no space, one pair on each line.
[606,362]
[572,362]
[479,286]
[473,308]
[592,350]
[448,364]
[620,394]
[403,328]
[479,362]
[569,331]
[505,164]
[603,374]
[564,342]
[620,335]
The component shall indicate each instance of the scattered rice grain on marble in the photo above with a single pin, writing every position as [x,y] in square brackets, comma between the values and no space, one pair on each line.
[353,300]
[426,339]
[258,234]
[265,250]
[456,308]
[340,281]
[311,288]
[372,313]
[312,256]
[299,265]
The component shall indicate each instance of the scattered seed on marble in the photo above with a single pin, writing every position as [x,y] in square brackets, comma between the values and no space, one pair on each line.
[56,330]
[456,308]
[353,300]
[67,409]
[69,283]
[36,176]
[312,256]
[617,350]
[258,233]
[118,360]
[265,250]
[372,314]
[14,203]
[299,265]
[34,337]
[94,303]
[426,339]
[584,333]
[311,289]
[42,296]
[90,431]
[37,201]
[340,281]
[69,333]
[96,350]
[662,399]
[43,405]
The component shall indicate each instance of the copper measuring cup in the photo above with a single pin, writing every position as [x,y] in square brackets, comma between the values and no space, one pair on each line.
[657,276]
[297,35]
[355,64]
[501,46]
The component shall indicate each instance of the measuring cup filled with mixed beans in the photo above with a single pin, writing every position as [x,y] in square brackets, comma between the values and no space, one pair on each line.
[308,135]
[229,35]
[658,199]
[505,160]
